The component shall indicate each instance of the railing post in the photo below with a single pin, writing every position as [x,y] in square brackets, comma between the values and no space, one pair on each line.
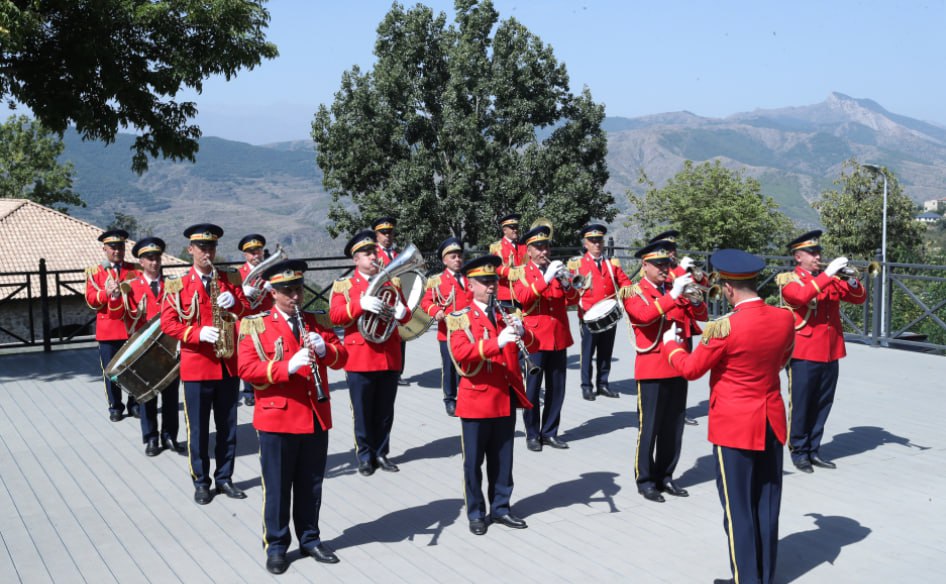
[44,305]
[876,300]
[610,249]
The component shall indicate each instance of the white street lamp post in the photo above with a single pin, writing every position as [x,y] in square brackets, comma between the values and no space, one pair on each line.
[883,254]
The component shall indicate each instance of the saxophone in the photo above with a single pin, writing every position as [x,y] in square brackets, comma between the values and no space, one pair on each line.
[223,320]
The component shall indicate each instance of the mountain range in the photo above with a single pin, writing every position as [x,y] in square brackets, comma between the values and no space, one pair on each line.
[275,189]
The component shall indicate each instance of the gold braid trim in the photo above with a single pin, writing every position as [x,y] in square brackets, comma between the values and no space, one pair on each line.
[516,274]
[716,329]
[433,282]
[252,325]
[786,278]
[495,247]
[458,321]
[342,286]
[173,285]
[396,282]
[626,292]
[616,262]
[573,264]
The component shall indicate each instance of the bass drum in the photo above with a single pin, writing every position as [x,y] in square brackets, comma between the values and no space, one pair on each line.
[603,316]
[146,363]
[413,285]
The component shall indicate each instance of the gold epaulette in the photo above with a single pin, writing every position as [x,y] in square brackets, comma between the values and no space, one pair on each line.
[494,248]
[173,285]
[396,282]
[341,286]
[457,321]
[516,273]
[716,329]
[786,277]
[573,264]
[92,270]
[616,262]
[627,291]
[433,282]
[253,325]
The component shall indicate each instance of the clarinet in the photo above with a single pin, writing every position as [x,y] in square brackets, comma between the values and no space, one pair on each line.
[530,366]
[319,391]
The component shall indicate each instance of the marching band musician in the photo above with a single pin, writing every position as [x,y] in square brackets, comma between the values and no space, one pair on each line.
[544,296]
[744,351]
[447,292]
[606,280]
[141,304]
[372,368]
[276,354]
[513,255]
[252,247]
[485,348]
[103,294]
[210,382]
[815,296]
[387,251]
[661,391]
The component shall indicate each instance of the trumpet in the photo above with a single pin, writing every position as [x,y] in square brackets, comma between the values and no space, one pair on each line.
[849,272]
[569,279]
[697,293]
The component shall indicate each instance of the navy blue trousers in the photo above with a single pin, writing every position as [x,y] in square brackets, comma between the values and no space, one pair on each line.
[811,387]
[542,421]
[448,374]
[750,489]
[292,468]
[200,399]
[113,392]
[492,439]
[169,418]
[372,395]
[599,347]
[661,407]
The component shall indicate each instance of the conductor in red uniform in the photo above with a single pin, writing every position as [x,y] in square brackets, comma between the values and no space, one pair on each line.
[103,294]
[253,248]
[815,296]
[653,306]
[513,255]
[210,381]
[291,415]
[485,349]
[744,352]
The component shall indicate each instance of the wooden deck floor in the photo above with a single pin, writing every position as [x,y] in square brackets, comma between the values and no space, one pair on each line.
[80,502]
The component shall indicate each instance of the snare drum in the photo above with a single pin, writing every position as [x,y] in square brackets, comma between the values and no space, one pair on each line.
[146,363]
[603,316]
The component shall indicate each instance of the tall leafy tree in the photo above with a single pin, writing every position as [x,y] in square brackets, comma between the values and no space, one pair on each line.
[458,124]
[853,215]
[30,167]
[104,65]
[713,207]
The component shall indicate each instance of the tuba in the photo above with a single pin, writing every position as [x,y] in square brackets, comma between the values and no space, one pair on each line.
[223,320]
[377,328]
[254,276]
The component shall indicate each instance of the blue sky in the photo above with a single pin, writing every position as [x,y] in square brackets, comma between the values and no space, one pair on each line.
[638,58]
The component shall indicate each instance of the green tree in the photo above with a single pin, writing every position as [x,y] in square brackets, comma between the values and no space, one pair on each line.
[444,132]
[853,216]
[713,207]
[29,165]
[112,64]
[130,224]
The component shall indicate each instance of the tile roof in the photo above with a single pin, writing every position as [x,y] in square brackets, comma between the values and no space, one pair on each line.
[29,231]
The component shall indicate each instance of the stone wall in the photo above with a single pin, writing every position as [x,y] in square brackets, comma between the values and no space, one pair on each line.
[14,317]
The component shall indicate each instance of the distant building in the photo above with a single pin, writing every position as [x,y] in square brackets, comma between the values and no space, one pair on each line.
[928,217]
[935,205]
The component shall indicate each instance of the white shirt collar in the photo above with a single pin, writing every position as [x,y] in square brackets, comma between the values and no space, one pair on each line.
[747,300]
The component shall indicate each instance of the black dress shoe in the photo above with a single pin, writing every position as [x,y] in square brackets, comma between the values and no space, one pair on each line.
[249,401]
[804,466]
[477,526]
[534,445]
[153,448]
[402,381]
[690,422]
[606,392]
[652,494]
[115,416]
[451,407]
[365,468]
[202,495]
[822,463]
[172,445]
[555,442]
[134,413]
[588,394]
[231,490]
[320,553]
[671,489]
[384,464]
[277,564]
[510,520]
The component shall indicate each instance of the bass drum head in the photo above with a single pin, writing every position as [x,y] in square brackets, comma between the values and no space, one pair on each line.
[603,316]
[413,285]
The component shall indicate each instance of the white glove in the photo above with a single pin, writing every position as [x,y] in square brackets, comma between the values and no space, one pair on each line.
[317,343]
[209,334]
[552,270]
[836,265]
[267,286]
[226,300]
[251,292]
[670,335]
[506,336]
[372,304]
[686,263]
[517,325]
[679,284]
[299,360]
[399,310]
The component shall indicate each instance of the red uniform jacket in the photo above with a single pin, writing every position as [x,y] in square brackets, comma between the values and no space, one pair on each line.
[744,378]
[544,307]
[385,257]
[344,311]
[816,301]
[601,280]
[442,288]
[651,312]
[488,373]
[513,256]
[140,304]
[186,309]
[264,301]
[107,328]
[284,402]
